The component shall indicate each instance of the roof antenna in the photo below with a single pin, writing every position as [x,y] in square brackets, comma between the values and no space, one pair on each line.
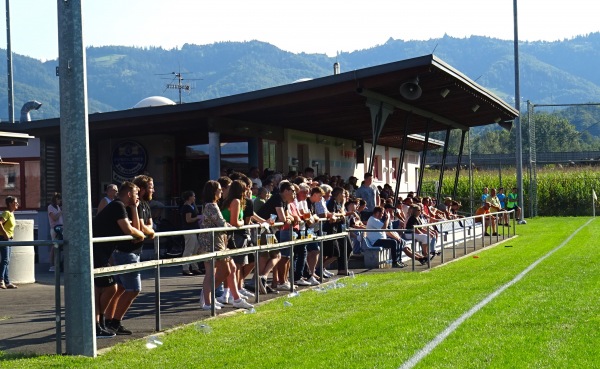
[336,65]
[179,77]
[436,45]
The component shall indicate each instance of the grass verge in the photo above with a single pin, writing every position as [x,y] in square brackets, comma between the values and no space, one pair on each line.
[548,319]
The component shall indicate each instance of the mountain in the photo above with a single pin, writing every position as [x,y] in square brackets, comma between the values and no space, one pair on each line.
[560,72]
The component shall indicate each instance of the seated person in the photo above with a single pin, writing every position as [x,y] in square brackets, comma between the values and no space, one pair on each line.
[353,221]
[430,212]
[497,207]
[490,221]
[418,234]
[390,240]
[502,197]
[454,209]
[494,201]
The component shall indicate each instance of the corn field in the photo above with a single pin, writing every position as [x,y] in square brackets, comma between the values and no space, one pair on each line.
[560,191]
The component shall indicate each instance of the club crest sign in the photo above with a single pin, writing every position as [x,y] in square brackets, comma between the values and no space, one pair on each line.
[129,159]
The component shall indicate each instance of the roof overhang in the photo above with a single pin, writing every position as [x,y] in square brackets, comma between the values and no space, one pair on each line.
[14,139]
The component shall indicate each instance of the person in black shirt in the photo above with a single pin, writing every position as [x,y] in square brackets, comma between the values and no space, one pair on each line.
[130,284]
[331,249]
[189,220]
[113,220]
[312,249]
[277,206]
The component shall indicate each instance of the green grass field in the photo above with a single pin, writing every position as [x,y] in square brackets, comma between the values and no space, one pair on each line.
[548,319]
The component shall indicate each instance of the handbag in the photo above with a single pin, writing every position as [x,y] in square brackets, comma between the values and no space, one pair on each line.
[237,240]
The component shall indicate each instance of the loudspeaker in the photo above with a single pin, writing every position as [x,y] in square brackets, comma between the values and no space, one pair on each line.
[360,152]
[411,90]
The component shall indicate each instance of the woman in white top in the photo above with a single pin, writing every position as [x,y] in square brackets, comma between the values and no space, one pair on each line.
[55,219]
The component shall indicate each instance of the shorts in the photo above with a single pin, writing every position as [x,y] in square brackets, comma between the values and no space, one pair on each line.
[284,236]
[241,241]
[271,254]
[129,281]
[106,281]
[331,248]
[419,237]
[312,247]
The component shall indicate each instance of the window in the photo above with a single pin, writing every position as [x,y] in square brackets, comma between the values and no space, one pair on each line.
[233,154]
[269,154]
[21,179]
[394,169]
[377,167]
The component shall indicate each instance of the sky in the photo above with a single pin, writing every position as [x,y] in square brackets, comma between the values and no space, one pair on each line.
[311,26]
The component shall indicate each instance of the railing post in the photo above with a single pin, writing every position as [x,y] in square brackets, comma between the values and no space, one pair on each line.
[213,298]
[321,274]
[428,247]
[257,272]
[157,285]
[57,302]
[413,250]
[291,230]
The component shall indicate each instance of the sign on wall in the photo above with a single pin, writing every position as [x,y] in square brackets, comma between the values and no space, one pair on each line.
[129,158]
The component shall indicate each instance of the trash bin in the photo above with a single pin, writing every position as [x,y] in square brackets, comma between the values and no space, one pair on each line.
[22,258]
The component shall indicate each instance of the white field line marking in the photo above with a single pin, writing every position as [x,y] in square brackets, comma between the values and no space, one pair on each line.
[414,360]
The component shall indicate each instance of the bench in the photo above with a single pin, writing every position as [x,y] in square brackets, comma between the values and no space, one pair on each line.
[374,257]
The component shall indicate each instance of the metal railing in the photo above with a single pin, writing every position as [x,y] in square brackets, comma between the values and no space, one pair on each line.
[157,263]
[439,227]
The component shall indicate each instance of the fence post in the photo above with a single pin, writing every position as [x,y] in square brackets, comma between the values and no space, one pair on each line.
[57,302]
[291,230]
[157,285]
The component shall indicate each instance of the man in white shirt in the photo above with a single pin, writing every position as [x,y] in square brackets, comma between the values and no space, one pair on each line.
[389,240]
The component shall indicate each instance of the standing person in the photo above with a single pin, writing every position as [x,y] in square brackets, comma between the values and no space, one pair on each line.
[312,249]
[368,192]
[332,250]
[353,185]
[213,218]
[502,197]
[254,175]
[513,204]
[55,218]
[130,284]
[7,231]
[287,233]
[232,211]
[111,194]
[189,220]
[114,220]
[250,217]
[484,195]
[277,205]
[309,173]
[261,198]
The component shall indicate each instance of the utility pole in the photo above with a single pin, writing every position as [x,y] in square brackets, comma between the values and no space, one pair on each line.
[9,68]
[519,149]
[80,321]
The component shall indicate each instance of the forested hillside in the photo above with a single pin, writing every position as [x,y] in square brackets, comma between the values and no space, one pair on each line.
[560,72]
